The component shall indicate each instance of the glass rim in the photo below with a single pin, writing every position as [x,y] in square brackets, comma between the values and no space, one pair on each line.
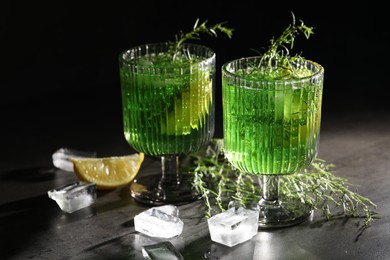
[212,54]
[292,80]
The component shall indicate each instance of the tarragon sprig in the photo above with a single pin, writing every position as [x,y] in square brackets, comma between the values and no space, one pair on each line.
[198,29]
[220,185]
[202,28]
[319,187]
[278,58]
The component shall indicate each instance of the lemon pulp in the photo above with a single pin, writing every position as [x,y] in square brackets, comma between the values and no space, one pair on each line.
[108,172]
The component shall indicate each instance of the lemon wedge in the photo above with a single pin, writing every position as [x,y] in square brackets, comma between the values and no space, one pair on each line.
[108,172]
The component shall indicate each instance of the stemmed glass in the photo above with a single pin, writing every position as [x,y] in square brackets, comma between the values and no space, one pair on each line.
[168,112]
[272,128]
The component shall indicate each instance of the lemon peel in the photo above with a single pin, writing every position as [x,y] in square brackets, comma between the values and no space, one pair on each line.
[108,172]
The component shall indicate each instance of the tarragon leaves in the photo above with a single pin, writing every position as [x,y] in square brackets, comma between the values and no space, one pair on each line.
[278,57]
[198,29]
[219,185]
[202,28]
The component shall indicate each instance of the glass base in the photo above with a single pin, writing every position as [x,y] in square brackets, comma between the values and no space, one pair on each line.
[147,190]
[276,214]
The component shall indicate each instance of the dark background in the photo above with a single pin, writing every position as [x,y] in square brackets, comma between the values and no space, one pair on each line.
[60,81]
[59,85]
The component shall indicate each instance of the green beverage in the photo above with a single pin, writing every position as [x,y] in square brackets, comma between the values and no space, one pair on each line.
[168,109]
[167,98]
[271,122]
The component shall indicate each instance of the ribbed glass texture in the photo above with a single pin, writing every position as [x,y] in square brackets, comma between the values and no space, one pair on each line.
[271,126]
[168,102]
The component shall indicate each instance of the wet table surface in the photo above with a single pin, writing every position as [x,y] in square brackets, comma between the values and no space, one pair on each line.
[33,227]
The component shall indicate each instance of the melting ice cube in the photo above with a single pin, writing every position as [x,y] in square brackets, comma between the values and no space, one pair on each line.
[74,196]
[162,221]
[161,251]
[242,251]
[234,226]
[61,158]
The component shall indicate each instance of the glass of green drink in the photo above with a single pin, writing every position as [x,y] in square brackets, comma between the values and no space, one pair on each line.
[271,123]
[168,112]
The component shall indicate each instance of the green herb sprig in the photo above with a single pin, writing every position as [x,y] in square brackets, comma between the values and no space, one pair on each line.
[280,63]
[220,185]
[202,28]
[198,29]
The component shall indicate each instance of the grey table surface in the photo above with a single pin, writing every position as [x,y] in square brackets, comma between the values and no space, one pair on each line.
[33,227]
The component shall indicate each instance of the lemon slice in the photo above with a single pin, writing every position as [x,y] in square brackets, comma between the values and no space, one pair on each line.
[108,172]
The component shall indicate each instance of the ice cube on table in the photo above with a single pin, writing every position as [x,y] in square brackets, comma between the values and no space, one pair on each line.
[161,251]
[74,196]
[162,221]
[234,226]
[61,157]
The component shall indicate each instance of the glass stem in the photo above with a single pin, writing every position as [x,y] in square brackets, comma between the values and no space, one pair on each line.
[170,171]
[270,189]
